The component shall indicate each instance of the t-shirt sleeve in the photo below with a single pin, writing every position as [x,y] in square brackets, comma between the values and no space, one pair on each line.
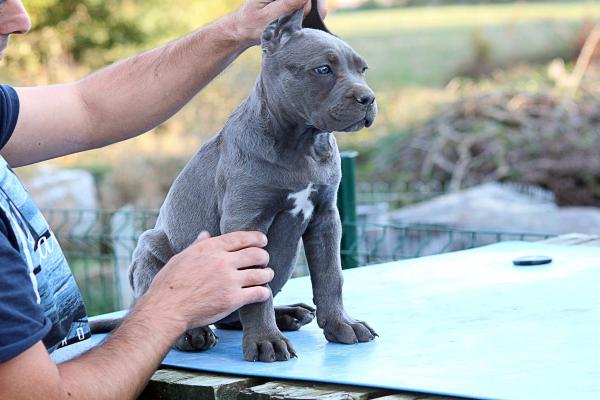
[9,112]
[22,320]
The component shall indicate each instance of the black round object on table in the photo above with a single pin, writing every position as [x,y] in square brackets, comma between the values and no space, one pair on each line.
[532,261]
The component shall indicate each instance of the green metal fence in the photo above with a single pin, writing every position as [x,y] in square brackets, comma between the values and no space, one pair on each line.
[99,243]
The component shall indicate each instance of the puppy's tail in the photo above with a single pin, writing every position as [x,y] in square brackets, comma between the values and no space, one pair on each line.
[104,325]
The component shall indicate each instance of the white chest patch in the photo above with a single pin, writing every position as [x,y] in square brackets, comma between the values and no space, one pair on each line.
[302,203]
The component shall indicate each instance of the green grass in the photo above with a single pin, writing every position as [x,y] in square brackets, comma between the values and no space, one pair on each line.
[428,46]
[388,21]
[94,276]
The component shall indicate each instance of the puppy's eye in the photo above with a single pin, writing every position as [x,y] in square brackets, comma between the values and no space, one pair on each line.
[323,70]
[364,69]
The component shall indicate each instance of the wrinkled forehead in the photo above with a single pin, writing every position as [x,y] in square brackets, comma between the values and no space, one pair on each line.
[317,46]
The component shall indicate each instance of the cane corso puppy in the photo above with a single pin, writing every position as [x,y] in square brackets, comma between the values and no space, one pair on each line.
[274,168]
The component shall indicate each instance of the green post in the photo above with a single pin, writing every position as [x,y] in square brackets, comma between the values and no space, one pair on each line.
[346,202]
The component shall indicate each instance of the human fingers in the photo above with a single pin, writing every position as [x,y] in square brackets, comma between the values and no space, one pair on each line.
[322,5]
[235,241]
[203,236]
[256,277]
[255,294]
[279,8]
[249,257]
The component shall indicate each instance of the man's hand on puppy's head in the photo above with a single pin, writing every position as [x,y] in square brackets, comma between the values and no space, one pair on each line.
[252,18]
[211,278]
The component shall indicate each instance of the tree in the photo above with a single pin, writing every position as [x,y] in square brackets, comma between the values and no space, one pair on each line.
[71,37]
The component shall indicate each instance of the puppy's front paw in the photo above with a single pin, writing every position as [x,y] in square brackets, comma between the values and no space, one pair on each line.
[197,339]
[267,347]
[347,330]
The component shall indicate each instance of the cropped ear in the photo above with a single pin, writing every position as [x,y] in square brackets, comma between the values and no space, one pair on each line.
[314,20]
[278,32]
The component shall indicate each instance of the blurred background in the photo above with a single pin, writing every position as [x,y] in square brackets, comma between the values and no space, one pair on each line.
[488,126]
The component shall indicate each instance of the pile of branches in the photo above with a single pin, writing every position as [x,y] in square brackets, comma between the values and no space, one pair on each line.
[535,139]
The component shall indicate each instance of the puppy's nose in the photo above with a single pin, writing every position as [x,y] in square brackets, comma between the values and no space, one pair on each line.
[365,98]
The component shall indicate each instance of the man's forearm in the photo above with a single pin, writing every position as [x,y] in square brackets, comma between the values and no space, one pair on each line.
[123,100]
[121,367]
[135,95]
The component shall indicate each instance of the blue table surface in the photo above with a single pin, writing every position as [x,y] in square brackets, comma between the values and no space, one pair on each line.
[466,324]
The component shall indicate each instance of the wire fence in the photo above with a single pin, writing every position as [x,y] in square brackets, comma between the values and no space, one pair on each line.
[394,195]
[98,245]
[379,243]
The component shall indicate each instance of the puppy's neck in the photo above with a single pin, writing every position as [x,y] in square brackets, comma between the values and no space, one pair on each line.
[282,120]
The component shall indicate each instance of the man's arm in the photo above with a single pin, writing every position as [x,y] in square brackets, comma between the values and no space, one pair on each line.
[116,370]
[135,95]
[199,286]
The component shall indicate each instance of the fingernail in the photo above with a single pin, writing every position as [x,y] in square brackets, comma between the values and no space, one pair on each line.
[203,235]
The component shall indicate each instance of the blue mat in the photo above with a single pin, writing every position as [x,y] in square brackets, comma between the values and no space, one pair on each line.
[467,324]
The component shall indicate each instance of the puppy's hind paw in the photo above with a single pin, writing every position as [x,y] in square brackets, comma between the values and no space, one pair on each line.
[197,339]
[267,348]
[293,317]
[288,318]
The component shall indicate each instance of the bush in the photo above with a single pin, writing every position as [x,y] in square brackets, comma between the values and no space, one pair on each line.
[544,140]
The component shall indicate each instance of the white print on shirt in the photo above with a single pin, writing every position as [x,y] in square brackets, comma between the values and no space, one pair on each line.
[29,262]
[46,246]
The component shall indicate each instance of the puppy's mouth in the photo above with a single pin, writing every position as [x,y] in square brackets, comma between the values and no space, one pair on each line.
[335,123]
[364,122]
[355,126]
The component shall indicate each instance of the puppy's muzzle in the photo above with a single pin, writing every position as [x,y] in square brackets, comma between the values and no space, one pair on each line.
[371,112]
[366,98]
[363,95]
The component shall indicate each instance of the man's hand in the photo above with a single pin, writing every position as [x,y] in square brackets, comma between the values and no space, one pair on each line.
[209,280]
[255,15]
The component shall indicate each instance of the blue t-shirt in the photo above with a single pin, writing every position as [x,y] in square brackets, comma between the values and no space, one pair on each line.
[39,299]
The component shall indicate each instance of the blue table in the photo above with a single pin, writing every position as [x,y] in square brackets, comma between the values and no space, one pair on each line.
[464,324]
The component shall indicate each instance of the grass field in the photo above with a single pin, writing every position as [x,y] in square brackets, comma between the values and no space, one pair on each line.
[427,46]
[386,21]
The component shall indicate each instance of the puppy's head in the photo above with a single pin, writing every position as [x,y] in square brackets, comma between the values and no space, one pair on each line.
[315,77]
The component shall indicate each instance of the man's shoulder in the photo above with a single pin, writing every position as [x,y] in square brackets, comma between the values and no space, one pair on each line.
[9,113]
[6,231]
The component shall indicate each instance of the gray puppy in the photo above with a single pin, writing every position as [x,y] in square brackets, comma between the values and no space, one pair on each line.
[274,168]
